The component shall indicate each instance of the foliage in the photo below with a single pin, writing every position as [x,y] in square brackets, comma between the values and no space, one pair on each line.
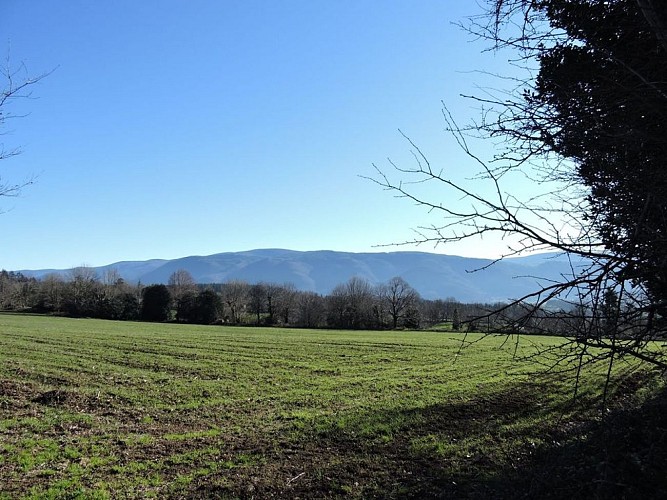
[156,303]
[456,320]
[16,290]
[202,308]
[582,115]
[600,100]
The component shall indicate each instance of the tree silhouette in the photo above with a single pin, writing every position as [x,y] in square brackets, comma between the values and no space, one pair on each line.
[587,126]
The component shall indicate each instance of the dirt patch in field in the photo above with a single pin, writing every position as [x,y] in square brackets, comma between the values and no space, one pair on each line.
[96,404]
[15,390]
[15,395]
[55,398]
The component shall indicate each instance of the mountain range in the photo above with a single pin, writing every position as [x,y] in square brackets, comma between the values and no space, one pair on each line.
[432,275]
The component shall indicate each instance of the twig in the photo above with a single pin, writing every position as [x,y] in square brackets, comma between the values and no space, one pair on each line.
[295,478]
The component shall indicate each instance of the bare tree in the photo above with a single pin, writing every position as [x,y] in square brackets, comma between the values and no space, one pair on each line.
[310,309]
[17,291]
[280,302]
[111,276]
[257,300]
[52,288]
[83,291]
[235,297]
[588,131]
[181,283]
[16,86]
[398,297]
[350,304]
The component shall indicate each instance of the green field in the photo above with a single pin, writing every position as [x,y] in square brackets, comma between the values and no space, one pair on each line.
[97,409]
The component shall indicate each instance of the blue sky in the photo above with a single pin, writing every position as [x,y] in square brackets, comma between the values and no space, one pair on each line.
[177,128]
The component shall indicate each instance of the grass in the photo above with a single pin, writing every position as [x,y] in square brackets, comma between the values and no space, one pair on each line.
[100,409]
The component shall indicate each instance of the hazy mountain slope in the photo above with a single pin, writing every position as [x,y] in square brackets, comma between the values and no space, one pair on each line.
[433,275]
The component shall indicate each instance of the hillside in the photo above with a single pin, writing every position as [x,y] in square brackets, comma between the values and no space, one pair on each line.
[433,275]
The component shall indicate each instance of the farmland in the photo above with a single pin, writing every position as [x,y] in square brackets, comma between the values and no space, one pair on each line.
[100,409]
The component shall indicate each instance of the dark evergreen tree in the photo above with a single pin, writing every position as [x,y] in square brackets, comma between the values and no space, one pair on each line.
[456,320]
[127,306]
[209,307]
[186,307]
[600,101]
[202,308]
[156,303]
[587,123]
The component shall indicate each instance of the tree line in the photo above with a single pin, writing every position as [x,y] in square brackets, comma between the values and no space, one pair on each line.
[355,304]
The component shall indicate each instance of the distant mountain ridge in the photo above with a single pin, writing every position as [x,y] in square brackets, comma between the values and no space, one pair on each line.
[432,275]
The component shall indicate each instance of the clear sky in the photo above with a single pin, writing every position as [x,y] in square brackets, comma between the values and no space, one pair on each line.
[175,128]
